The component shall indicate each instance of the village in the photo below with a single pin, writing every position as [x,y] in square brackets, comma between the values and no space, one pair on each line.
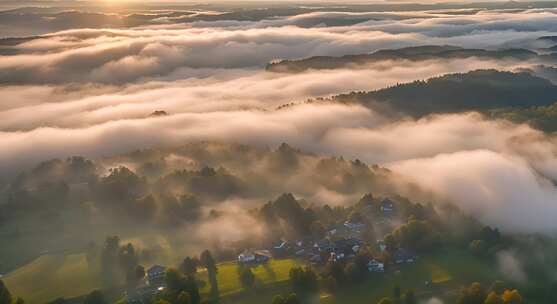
[342,242]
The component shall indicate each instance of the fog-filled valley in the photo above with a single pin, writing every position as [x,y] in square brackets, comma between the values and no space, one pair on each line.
[358,152]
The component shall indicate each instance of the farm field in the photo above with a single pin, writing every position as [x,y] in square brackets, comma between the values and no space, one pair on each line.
[51,276]
[446,271]
[272,272]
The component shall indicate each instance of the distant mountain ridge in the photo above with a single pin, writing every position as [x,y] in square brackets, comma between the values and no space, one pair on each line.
[479,90]
[415,53]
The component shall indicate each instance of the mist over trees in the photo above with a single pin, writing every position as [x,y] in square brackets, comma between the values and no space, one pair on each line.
[478,90]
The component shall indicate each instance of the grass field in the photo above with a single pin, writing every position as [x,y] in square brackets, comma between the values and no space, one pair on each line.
[445,271]
[229,283]
[51,276]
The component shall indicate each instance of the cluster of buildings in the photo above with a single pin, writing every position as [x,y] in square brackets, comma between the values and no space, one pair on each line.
[319,251]
[342,242]
[152,284]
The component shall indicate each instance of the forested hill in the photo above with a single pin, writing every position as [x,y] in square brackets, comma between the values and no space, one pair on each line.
[478,90]
[419,53]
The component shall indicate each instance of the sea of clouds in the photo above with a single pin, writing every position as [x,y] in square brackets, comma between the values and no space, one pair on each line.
[86,91]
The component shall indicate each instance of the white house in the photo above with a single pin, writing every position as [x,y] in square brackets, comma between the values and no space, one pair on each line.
[402,256]
[354,225]
[156,274]
[387,206]
[375,266]
[258,256]
[246,257]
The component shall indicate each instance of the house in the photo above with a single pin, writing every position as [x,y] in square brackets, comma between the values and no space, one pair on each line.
[142,294]
[315,259]
[254,257]
[262,256]
[323,245]
[354,225]
[387,206]
[246,257]
[155,275]
[280,248]
[382,246]
[375,266]
[402,256]
[346,248]
[280,245]
[336,256]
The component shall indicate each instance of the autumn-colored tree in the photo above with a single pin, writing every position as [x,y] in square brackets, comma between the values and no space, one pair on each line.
[385,301]
[473,294]
[512,297]
[493,298]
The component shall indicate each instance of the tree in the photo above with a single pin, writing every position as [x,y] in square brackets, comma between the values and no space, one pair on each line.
[173,279]
[246,277]
[498,287]
[473,294]
[192,289]
[317,230]
[58,301]
[177,283]
[417,235]
[138,273]
[397,293]
[410,297]
[512,297]
[292,299]
[278,299]
[490,235]
[304,280]
[329,283]
[353,272]
[336,270]
[183,298]
[390,242]
[208,262]
[109,258]
[189,266]
[5,295]
[95,297]
[385,301]
[91,255]
[493,298]
[478,247]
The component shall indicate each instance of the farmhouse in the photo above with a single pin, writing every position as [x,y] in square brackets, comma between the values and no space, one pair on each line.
[254,257]
[375,266]
[402,256]
[354,225]
[155,275]
[386,206]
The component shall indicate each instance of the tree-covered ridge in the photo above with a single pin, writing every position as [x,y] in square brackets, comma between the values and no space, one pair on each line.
[540,117]
[163,188]
[418,53]
[478,90]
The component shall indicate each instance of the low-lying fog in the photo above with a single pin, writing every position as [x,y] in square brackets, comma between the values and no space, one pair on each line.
[90,92]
